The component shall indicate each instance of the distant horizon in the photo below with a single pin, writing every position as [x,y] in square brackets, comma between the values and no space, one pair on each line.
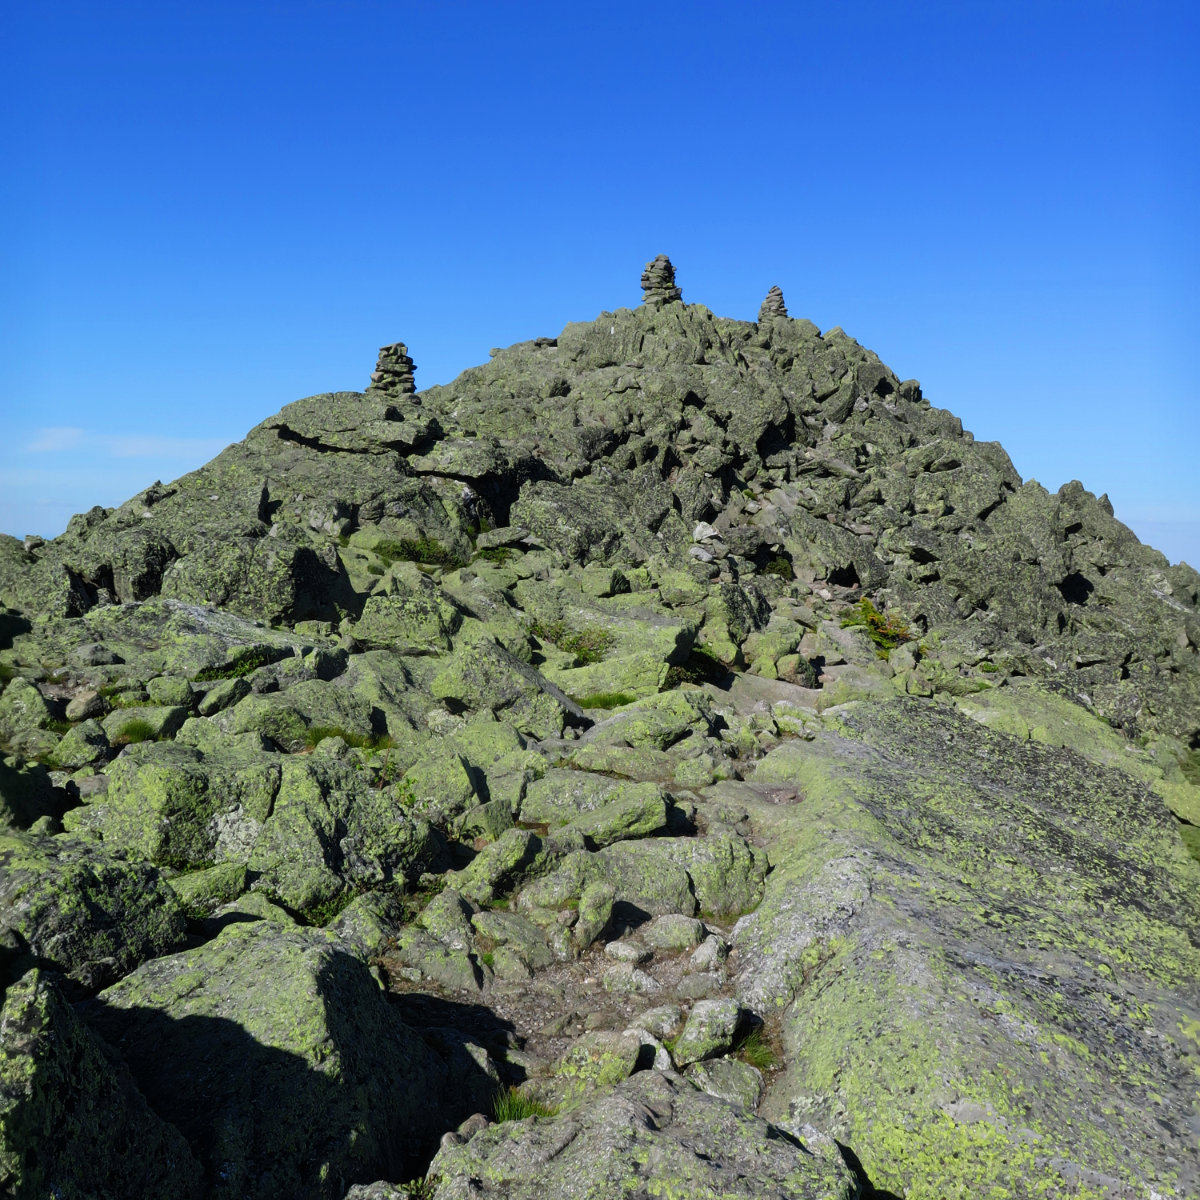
[222,211]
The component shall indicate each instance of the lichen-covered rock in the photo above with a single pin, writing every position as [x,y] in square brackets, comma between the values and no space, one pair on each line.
[142,723]
[81,745]
[25,719]
[728,1079]
[710,1030]
[673,931]
[619,820]
[72,1123]
[27,794]
[311,828]
[309,1080]
[972,939]
[482,676]
[653,1134]
[80,908]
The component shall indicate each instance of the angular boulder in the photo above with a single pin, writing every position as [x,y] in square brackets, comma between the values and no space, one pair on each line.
[279,1059]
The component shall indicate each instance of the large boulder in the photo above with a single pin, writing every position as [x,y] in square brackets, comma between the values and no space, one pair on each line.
[72,1123]
[279,1059]
[80,908]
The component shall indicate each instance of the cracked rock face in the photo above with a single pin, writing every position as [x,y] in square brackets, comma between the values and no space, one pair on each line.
[673,758]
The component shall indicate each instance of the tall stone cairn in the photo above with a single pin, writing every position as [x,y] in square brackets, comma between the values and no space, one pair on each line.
[394,371]
[773,306]
[658,283]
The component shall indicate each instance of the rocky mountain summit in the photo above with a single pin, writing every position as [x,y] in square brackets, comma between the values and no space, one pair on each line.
[672,759]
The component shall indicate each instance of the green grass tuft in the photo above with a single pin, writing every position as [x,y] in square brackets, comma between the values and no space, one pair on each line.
[779,566]
[887,632]
[133,731]
[756,1050]
[316,734]
[587,645]
[508,1104]
[604,700]
[496,554]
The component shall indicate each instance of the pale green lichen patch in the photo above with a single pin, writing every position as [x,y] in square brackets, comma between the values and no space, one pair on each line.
[977,940]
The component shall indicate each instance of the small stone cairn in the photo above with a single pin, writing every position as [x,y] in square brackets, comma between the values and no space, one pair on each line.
[773,306]
[393,372]
[658,283]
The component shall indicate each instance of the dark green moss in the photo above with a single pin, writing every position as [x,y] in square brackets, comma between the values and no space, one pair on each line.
[701,667]
[243,666]
[604,700]
[887,632]
[419,550]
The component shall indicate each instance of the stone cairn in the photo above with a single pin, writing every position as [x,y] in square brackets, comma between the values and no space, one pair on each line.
[773,306]
[393,372]
[658,283]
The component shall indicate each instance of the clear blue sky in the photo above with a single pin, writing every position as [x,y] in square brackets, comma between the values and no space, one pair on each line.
[210,210]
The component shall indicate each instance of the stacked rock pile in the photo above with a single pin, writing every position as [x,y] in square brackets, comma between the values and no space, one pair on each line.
[394,371]
[773,306]
[658,283]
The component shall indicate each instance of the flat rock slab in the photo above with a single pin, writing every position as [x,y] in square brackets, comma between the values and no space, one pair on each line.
[986,952]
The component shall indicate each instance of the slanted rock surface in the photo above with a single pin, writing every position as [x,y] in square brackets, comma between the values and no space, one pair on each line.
[665,749]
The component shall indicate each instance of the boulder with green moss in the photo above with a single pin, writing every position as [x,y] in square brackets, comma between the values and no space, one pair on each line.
[309,1080]
[27,794]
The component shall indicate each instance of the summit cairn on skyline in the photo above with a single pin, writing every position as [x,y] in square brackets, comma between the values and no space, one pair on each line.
[394,371]
[658,283]
[773,306]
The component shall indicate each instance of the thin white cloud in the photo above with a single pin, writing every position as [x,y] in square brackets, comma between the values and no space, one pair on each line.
[58,439]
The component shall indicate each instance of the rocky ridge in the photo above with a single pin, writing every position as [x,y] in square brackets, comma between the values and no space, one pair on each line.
[672,758]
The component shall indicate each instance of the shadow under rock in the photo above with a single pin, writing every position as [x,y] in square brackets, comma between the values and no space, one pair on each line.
[449,1027]
[869,1190]
[268,1125]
